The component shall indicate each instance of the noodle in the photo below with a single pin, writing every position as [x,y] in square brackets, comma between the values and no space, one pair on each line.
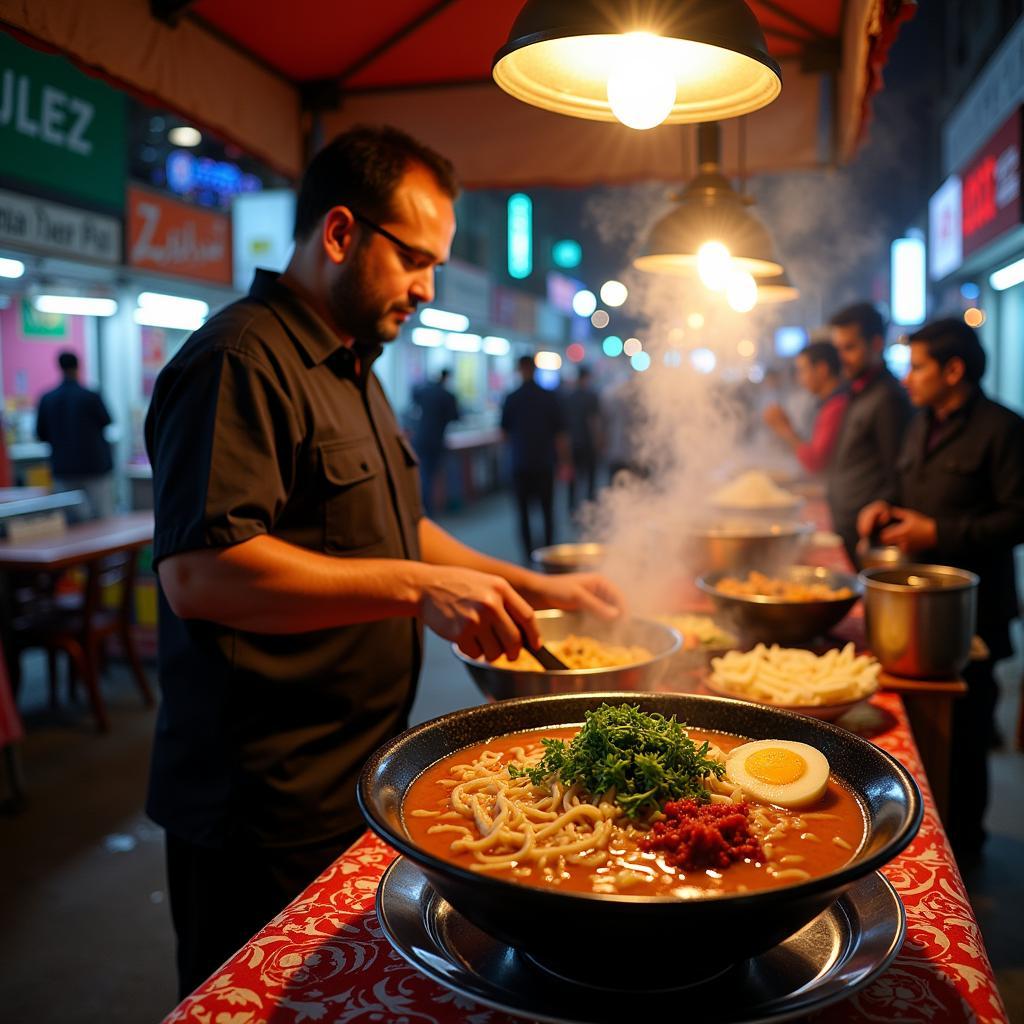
[579,652]
[506,823]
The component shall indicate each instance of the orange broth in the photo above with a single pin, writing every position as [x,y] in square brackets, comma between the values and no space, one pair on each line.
[655,877]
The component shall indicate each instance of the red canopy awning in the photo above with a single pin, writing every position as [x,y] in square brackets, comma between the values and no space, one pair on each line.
[249,71]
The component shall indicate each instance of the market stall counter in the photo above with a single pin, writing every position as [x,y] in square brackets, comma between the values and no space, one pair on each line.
[325,957]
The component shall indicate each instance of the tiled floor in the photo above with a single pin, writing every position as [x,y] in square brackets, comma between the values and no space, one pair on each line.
[84,928]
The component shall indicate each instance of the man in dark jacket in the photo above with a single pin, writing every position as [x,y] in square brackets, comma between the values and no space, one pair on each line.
[534,425]
[71,420]
[863,463]
[961,502]
[583,420]
[437,408]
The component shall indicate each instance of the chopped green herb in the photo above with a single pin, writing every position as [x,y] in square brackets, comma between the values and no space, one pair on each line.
[646,760]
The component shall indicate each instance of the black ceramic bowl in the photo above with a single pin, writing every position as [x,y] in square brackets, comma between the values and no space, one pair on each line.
[778,620]
[664,940]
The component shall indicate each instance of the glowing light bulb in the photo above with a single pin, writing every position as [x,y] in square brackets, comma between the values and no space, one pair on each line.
[714,265]
[741,291]
[695,321]
[614,293]
[584,302]
[641,86]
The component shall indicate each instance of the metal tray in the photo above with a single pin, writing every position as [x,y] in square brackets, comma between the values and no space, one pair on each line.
[838,952]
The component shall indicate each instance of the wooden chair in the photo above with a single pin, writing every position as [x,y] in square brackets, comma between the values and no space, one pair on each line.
[80,625]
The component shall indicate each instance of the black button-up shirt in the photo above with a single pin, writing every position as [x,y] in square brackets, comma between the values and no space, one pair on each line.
[264,423]
[967,472]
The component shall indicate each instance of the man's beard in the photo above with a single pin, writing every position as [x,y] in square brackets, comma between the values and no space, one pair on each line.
[357,310]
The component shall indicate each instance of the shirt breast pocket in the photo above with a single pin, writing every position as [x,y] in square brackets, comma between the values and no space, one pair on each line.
[411,477]
[355,506]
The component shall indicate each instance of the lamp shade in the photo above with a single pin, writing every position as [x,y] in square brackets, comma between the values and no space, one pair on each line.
[709,210]
[562,54]
[777,289]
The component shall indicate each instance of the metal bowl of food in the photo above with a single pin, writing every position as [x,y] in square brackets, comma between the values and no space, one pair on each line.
[792,606]
[920,618]
[703,639]
[664,939]
[561,558]
[640,670]
[744,543]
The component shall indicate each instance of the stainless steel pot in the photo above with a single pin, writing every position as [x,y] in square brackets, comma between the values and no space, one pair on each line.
[739,545]
[920,618]
[560,558]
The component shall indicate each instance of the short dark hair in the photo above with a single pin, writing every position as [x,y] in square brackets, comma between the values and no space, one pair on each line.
[584,373]
[863,316]
[950,338]
[361,168]
[818,352]
[67,361]
[526,361]
[444,374]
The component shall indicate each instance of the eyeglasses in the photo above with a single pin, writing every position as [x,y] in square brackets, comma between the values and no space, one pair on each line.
[411,252]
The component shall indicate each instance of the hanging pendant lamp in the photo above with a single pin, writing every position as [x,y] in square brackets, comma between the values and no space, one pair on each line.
[776,289]
[644,62]
[709,209]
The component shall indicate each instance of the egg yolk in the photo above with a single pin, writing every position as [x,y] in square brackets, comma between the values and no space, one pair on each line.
[775,765]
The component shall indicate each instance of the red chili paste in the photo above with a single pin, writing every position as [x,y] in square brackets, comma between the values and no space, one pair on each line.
[694,836]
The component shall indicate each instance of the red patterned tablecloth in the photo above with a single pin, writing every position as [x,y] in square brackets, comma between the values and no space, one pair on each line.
[324,958]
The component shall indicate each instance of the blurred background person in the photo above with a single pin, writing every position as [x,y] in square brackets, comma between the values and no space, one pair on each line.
[621,412]
[71,419]
[533,423]
[960,502]
[583,419]
[863,465]
[819,373]
[436,407]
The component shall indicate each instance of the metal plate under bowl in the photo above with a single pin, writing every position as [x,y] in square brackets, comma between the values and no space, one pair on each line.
[838,952]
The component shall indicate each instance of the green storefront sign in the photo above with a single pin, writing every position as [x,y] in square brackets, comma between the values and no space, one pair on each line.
[59,128]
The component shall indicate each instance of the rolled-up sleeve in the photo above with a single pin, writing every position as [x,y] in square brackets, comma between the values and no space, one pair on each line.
[222,440]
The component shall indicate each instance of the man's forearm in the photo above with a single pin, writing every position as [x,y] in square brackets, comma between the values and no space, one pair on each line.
[439,547]
[266,585]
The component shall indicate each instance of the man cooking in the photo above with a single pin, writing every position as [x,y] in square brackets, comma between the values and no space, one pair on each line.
[296,568]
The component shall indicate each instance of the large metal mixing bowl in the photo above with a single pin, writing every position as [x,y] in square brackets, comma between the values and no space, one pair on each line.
[779,620]
[559,558]
[735,545]
[661,640]
[920,618]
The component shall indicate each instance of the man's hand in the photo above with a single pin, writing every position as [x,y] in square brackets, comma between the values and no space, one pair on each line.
[775,417]
[913,531]
[478,611]
[577,591]
[871,517]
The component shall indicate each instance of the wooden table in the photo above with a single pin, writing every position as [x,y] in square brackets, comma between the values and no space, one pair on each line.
[86,544]
[78,545]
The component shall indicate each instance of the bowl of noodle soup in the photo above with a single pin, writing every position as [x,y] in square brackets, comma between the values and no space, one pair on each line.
[631,654]
[537,903]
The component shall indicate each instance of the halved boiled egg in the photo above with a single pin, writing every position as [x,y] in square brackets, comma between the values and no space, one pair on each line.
[780,772]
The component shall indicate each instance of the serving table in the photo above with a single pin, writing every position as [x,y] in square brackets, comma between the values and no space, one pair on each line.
[324,958]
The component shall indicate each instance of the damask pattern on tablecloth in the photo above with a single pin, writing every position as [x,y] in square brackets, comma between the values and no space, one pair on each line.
[325,960]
